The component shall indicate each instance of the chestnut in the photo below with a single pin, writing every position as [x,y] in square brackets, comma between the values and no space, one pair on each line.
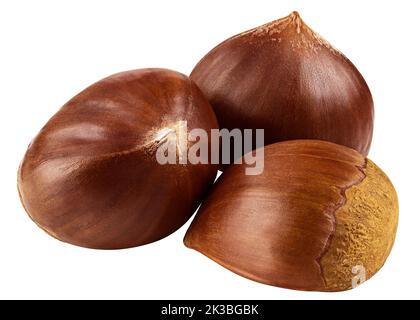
[284,78]
[320,217]
[91,176]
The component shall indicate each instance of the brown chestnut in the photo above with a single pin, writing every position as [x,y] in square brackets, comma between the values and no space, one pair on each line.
[320,217]
[286,79]
[91,177]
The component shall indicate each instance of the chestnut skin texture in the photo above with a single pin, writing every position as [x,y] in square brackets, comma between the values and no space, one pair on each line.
[91,178]
[320,217]
[286,79]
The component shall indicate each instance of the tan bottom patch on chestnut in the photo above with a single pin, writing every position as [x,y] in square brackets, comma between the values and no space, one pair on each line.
[321,217]
[365,231]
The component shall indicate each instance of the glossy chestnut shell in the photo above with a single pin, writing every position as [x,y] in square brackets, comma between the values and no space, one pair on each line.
[320,217]
[284,78]
[91,178]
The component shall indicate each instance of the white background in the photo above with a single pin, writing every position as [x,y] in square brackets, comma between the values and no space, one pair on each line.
[51,50]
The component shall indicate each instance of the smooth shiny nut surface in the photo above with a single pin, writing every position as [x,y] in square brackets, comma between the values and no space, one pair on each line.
[320,217]
[91,177]
[284,78]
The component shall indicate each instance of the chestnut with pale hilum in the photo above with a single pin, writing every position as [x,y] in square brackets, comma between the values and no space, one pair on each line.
[317,215]
[90,177]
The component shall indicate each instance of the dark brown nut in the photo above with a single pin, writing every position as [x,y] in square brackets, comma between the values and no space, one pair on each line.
[91,177]
[320,217]
[286,79]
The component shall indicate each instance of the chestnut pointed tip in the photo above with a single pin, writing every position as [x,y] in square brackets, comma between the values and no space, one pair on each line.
[295,15]
[296,20]
[186,241]
[190,242]
[293,20]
